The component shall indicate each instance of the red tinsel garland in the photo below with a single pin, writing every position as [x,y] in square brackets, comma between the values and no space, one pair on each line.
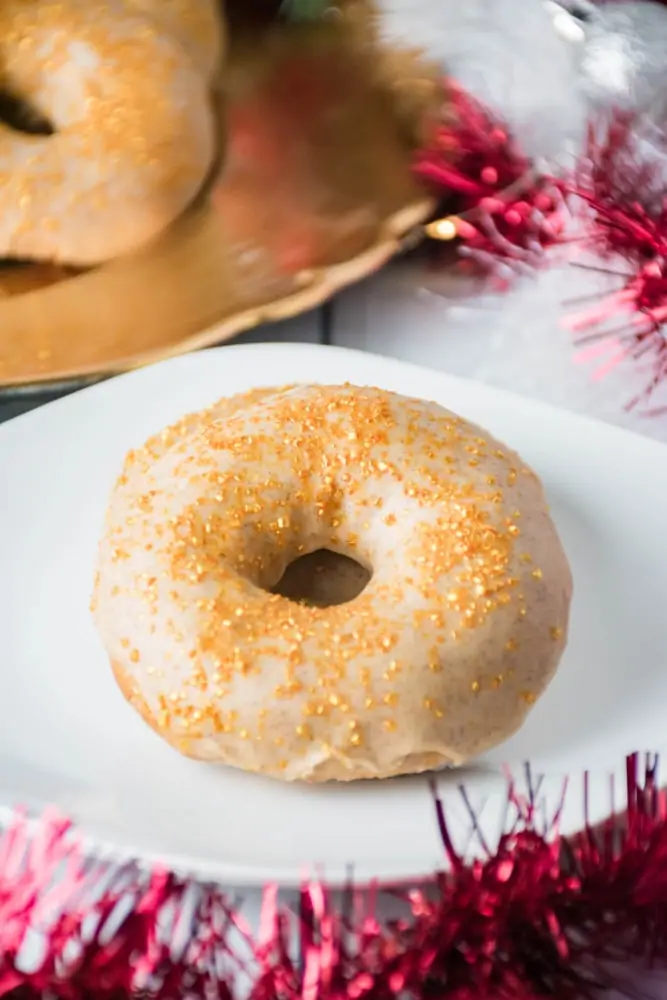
[623,181]
[539,916]
[507,212]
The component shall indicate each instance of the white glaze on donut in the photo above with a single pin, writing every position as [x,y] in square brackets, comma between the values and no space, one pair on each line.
[456,635]
[126,87]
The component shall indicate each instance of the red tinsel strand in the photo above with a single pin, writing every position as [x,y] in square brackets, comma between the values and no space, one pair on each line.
[625,187]
[622,182]
[538,916]
[50,890]
[506,213]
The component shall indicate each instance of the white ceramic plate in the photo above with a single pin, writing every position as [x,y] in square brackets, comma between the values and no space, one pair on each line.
[67,737]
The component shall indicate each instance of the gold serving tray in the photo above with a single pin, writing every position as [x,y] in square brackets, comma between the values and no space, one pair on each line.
[316,193]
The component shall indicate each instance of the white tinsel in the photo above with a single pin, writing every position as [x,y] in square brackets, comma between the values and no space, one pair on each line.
[506,52]
[521,57]
[515,339]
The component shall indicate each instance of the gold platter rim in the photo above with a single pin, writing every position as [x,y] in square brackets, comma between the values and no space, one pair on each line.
[318,286]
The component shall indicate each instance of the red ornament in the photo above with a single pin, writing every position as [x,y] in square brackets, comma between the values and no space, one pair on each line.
[538,916]
[507,213]
[622,182]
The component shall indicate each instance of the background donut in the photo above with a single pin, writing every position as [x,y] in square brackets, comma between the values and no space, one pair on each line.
[125,89]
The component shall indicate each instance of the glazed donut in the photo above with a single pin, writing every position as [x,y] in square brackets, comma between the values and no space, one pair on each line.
[125,86]
[457,632]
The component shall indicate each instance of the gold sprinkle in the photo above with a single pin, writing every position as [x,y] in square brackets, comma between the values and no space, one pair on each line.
[432,706]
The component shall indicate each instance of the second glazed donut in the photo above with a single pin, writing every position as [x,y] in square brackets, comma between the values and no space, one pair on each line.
[125,86]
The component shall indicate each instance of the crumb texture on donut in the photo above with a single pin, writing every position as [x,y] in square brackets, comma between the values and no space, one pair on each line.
[456,633]
[125,88]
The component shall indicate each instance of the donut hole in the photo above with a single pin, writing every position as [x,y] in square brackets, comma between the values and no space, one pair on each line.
[22,116]
[323,579]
